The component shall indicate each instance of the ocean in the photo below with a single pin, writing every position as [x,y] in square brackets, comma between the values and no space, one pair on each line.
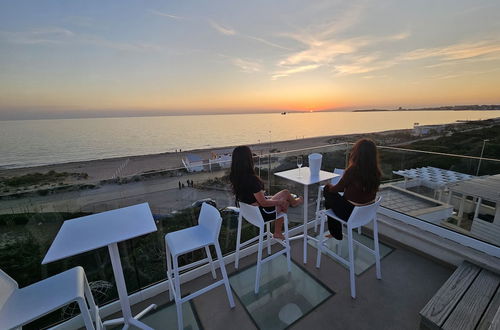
[26,143]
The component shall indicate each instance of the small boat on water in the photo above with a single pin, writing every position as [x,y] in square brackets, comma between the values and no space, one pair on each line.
[283,113]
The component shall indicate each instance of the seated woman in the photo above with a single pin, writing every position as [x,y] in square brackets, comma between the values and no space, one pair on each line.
[249,188]
[359,183]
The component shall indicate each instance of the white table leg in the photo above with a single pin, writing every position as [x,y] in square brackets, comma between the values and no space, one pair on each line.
[128,319]
[306,200]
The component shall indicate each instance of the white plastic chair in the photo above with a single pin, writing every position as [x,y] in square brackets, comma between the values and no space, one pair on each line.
[21,306]
[252,214]
[180,242]
[334,181]
[360,216]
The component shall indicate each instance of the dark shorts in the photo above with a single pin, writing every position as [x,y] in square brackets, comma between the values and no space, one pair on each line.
[268,213]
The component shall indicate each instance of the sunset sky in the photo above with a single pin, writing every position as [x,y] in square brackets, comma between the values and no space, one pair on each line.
[91,58]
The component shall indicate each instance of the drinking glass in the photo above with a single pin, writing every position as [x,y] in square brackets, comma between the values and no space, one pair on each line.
[299,163]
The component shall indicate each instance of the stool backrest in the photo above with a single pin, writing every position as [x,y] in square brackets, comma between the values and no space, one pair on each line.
[251,214]
[362,215]
[210,219]
[7,286]
[336,179]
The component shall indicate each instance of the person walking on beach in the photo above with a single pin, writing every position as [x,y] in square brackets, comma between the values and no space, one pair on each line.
[359,184]
[249,188]
[180,185]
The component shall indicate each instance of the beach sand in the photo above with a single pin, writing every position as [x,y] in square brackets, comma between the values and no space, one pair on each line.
[103,169]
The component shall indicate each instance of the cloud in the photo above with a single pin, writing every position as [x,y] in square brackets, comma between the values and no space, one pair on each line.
[399,36]
[320,45]
[296,69]
[332,53]
[461,73]
[61,36]
[269,43]
[363,64]
[454,52]
[159,13]
[123,46]
[222,29]
[231,32]
[51,35]
[246,65]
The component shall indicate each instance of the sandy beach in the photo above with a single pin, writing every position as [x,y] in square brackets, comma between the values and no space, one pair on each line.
[103,169]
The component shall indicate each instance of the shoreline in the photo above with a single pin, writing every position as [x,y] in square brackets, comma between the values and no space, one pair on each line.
[102,169]
[127,166]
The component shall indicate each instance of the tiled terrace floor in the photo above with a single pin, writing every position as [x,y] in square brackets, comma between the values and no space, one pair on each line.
[409,280]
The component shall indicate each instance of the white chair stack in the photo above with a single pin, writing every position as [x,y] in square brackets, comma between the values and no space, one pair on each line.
[21,306]
[360,216]
[252,214]
[334,181]
[203,235]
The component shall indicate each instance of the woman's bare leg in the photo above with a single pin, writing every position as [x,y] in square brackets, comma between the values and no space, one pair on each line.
[285,194]
[278,228]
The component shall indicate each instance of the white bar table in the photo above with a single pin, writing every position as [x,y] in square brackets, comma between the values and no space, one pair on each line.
[306,180]
[106,229]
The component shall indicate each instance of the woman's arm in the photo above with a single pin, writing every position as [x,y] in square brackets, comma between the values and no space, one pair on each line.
[339,187]
[264,202]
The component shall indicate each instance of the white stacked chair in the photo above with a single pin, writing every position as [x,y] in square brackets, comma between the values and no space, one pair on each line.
[334,181]
[360,216]
[180,242]
[252,214]
[21,306]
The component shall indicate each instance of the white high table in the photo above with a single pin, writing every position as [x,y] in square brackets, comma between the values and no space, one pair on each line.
[106,229]
[306,180]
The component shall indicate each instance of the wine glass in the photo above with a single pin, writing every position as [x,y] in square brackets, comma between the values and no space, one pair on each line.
[299,163]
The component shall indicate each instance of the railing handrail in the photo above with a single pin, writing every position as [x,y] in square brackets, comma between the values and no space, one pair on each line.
[439,153]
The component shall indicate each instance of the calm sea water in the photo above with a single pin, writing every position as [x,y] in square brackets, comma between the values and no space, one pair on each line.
[39,142]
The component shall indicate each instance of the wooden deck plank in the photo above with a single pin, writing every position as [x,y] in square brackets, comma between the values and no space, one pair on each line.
[495,323]
[493,308]
[437,310]
[471,307]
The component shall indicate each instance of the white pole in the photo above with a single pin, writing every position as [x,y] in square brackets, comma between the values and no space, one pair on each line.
[481,157]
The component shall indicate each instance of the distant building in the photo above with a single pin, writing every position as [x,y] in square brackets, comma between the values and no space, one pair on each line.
[422,130]
[193,163]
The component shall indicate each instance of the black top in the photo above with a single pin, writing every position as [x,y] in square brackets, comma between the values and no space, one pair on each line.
[249,185]
[353,189]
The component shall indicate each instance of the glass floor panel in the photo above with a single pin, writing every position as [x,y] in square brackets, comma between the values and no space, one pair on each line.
[362,258]
[165,317]
[283,297]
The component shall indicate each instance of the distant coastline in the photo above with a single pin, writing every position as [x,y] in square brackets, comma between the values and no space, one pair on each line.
[489,107]
[94,114]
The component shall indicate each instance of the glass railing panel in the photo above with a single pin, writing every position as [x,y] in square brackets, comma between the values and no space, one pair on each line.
[32,209]
[443,189]
[32,213]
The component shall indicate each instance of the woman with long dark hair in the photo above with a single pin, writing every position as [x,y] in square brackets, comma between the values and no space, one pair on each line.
[359,184]
[249,189]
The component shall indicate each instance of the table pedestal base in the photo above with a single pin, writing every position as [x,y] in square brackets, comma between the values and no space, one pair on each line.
[123,295]
[133,321]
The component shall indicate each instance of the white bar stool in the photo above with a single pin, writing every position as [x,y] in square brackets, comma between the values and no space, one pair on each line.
[21,306]
[360,216]
[180,242]
[334,181]
[252,214]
